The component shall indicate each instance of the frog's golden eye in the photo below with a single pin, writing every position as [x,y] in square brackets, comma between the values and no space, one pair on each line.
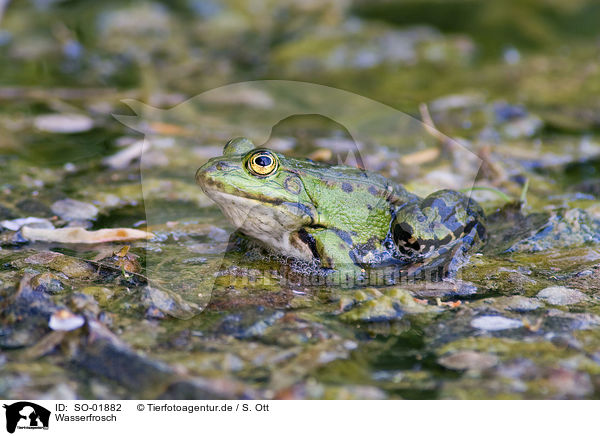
[262,163]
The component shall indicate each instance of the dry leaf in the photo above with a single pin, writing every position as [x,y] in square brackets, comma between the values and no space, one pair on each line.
[78,235]
[420,157]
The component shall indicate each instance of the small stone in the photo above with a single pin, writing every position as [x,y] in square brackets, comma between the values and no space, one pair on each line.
[495,322]
[85,304]
[16,224]
[63,123]
[371,305]
[561,295]
[523,127]
[169,303]
[154,312]
[63,320]
[46,282]
[381,309]
[42,258]
[571,384]
[101,294]
[71,210]
[70,266]
[519,303]
[468,359]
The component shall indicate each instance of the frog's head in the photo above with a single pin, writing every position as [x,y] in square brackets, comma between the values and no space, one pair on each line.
[258,190]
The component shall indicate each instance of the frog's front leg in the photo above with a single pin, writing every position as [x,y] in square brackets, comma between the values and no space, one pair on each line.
[335,253]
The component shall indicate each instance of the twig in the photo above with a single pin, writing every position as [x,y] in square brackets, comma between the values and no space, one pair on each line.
[445,141]
[3,6]
[523,198]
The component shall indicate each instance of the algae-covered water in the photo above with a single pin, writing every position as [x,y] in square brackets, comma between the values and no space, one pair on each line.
[107,109]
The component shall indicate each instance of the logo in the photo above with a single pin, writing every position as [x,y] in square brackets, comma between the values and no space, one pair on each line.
[26,415]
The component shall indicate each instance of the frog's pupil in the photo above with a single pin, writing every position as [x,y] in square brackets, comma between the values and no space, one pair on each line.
[263,161]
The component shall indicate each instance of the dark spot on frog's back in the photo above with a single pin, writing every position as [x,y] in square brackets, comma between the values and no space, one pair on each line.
[347,187]
[373,190]
[444,210]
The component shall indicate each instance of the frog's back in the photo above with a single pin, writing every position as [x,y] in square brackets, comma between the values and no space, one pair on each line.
[350,180]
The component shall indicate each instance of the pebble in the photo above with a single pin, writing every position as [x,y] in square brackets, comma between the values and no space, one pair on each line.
[72,210]
[495,322]
[469,359]
[523,127]
[519,303]
[16,224]
[101,294]
[561,295]
[64,320]
[63,123]
[46,282]
[160,302]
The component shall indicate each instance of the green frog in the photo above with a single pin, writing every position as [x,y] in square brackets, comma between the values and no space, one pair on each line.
[343,217]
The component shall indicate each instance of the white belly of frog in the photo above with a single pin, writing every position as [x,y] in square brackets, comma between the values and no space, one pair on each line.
[278,231]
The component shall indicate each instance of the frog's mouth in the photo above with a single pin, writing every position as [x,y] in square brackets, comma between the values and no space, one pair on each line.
[272,214]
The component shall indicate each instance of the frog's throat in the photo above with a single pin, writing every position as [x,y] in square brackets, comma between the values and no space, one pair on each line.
[267,222]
